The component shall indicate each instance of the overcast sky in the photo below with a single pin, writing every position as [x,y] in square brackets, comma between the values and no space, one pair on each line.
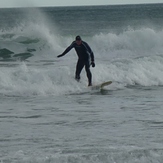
[34,3]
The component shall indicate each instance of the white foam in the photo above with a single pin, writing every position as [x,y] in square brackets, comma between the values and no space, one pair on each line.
[146,71]
[25,79]
[32,80]
[141,42]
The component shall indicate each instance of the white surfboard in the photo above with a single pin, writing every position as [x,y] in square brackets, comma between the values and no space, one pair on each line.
[101,86]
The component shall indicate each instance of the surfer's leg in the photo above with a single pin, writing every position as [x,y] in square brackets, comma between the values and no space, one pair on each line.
[79,68]
[89,74]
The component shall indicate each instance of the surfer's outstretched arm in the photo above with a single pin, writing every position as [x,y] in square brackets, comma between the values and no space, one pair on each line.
[67,50]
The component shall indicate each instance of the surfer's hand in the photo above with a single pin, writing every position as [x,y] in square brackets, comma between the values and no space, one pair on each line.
[59,56]
[93,64]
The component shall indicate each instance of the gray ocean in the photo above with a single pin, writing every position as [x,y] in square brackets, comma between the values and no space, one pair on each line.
[48,117]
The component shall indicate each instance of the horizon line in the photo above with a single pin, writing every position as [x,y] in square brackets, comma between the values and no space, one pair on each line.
[42,6]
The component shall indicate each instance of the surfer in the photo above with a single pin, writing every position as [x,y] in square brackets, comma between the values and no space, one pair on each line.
[84,53]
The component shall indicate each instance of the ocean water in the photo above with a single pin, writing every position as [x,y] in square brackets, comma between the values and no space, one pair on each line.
[48,117]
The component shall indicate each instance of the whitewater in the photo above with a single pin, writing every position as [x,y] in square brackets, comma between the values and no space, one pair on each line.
[46,116]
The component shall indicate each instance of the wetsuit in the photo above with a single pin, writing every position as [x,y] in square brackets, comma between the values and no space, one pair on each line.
[84,53]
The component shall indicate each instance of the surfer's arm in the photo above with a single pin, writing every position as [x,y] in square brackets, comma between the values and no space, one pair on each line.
[67,50]
[91,54]
[89,51]
[92,57]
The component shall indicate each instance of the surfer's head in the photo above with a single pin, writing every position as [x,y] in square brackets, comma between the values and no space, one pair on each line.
[78,40]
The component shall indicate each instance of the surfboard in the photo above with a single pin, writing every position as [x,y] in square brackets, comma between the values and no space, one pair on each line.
[101,86]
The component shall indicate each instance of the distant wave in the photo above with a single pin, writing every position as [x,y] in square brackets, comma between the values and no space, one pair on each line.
[130,43]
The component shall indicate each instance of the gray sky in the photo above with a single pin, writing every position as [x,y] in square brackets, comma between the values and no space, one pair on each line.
[33,3]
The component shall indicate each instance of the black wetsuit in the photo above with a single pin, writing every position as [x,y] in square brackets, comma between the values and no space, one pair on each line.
[84,53]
